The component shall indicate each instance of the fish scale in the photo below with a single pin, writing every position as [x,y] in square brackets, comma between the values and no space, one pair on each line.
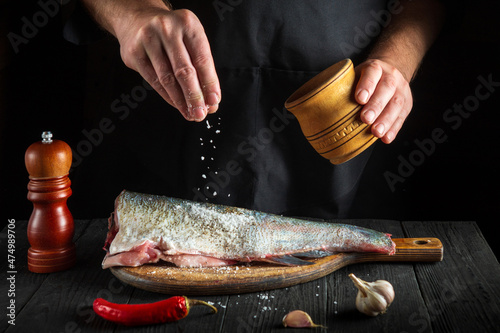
[154,228]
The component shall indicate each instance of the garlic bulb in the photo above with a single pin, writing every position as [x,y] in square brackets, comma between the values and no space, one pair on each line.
[298,318]
[373,297]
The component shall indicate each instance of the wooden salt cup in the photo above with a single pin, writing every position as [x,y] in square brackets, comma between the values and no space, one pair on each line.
[328,113]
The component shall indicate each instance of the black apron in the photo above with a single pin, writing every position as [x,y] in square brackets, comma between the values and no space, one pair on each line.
[251,153]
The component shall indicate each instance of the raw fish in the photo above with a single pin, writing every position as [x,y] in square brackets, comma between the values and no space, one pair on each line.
[147,228]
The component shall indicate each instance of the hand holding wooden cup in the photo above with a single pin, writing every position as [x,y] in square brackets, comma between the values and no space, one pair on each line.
[328,113]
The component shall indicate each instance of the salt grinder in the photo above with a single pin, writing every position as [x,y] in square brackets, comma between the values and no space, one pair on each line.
[51,227]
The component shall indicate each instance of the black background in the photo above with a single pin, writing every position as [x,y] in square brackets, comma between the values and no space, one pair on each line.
[48,84]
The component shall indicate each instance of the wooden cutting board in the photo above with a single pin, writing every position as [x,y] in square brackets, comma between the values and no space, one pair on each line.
[257,276]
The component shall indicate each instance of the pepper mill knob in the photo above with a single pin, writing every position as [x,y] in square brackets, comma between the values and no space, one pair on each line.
[51,226]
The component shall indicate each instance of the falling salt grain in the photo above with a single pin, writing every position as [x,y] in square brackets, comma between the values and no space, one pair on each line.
[217,131]
[203,158]
[204,176]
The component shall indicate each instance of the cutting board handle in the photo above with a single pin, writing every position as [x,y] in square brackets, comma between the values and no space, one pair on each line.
[416,249]
[422,249]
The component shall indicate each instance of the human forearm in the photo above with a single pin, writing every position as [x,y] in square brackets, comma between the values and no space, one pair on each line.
[383,87]
[409,35]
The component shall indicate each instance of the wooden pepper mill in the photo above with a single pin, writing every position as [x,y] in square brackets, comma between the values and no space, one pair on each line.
[51,227]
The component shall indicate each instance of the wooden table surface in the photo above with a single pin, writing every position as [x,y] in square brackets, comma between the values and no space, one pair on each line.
[459,294]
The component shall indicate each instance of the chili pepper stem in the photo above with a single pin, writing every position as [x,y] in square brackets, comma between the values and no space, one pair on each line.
[194,302]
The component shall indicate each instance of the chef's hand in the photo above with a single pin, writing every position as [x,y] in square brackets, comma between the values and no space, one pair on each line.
[386,97]
[170,50]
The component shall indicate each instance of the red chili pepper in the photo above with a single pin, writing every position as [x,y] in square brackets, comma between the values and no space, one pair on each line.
[171,309]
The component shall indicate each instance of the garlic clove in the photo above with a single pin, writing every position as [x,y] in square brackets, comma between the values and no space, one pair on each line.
[384,289]
[298,318]
[373,297]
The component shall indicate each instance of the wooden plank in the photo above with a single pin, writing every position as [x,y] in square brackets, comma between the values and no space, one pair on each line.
[63,301]
[26,283]
[264,311]
[461,293]
[454,292]
[342,313]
